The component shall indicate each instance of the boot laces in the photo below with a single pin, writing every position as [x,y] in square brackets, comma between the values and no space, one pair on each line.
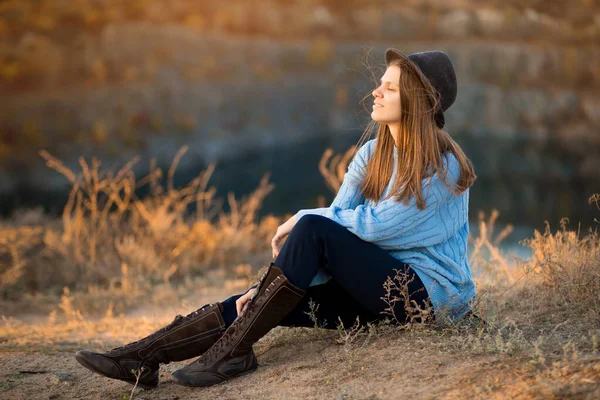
[176,321]
[224,341]
[216,349]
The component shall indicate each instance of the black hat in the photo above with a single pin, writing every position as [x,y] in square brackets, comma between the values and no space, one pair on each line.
[436,67]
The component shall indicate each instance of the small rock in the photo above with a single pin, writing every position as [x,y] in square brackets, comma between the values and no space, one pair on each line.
[65,377]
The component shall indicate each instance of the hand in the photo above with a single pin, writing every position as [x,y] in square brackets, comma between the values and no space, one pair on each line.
[282,231]
[241,302]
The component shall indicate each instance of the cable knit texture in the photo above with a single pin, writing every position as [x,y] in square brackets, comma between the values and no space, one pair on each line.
[433,241]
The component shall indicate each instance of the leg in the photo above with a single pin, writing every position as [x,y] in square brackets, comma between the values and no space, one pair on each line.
[333,302]
[184,338]
[360,267]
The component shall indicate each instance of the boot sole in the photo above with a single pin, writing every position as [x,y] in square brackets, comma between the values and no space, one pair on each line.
[83,362]
[219,383]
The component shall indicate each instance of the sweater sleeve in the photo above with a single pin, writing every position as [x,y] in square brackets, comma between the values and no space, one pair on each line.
[394,225]
[349,195]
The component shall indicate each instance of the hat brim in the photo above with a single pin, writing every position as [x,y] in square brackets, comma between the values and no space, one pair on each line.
[392,54]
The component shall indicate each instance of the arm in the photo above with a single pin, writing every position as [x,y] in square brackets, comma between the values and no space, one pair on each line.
[394,225]
[349,195]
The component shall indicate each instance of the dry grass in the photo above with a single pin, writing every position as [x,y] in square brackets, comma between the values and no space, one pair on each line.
[111,247]
[567,264]
[111,242]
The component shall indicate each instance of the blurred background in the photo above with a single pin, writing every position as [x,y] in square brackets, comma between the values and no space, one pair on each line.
[257,86]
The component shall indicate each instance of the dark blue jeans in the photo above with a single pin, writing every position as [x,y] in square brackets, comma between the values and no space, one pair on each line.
[358,270]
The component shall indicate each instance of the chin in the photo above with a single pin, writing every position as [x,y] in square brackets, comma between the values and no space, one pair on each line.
[376,119]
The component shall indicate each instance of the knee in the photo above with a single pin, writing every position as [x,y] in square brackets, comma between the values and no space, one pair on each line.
[311,223]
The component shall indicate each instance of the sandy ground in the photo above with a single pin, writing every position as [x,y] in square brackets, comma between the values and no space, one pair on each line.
[37,362]
[292,364]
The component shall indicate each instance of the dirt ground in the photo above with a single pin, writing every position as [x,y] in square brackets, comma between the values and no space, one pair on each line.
[37,362]
[291,365]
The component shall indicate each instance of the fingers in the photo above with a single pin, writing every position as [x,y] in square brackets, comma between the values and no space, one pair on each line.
[239,303]
[275,245]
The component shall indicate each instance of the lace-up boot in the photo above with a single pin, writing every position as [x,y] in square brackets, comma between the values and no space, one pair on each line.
[185,337]
[232,354]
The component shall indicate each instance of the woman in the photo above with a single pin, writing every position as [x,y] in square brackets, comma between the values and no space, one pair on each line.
[402,206]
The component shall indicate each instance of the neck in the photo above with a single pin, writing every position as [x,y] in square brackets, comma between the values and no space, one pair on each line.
[395,132]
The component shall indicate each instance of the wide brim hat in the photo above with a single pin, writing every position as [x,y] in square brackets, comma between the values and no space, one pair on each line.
[436,68]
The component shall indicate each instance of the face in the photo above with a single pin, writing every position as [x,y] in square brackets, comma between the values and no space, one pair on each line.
[386,106]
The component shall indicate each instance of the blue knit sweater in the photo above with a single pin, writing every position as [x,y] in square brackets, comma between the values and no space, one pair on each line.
[433,241]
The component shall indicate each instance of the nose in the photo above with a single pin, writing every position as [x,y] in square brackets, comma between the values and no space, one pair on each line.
[377,92]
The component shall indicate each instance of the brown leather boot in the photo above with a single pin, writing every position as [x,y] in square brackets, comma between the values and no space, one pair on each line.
[184,338]
[232,354]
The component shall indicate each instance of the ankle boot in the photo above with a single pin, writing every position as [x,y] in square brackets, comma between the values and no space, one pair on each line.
[232,354]
[185,337]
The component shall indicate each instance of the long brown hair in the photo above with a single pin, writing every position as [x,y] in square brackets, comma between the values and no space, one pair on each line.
[420,148]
